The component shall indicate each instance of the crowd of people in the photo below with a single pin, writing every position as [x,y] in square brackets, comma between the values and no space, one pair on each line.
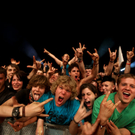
[89,102]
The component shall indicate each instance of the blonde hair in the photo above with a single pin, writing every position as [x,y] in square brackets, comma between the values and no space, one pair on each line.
[66,81]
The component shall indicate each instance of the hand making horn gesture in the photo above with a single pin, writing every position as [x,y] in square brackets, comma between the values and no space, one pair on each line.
[36,108]
[81,113]
[88,129]
[130,55]
[79,51]
[106,109]
[112,55]
[36,64]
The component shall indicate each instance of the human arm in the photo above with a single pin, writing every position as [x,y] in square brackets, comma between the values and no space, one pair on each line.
[105,112]
[80,115]
[40,127]
[111,62]
[36,65]
[112,129]
[130,55]
[18,125]
[79,55]
[116,70]
[59,62]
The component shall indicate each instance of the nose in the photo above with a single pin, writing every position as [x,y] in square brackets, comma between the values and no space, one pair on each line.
[127,87]
[63,91]
[85,96]
[37,88]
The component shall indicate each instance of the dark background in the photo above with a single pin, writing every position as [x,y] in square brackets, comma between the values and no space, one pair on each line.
[26,31]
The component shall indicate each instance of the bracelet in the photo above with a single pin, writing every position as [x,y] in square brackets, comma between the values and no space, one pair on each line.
[128,63]
[101,126]
[23,111]
[80,60]
[75,121]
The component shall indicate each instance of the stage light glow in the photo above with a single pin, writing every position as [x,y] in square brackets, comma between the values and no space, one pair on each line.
[107,43]
[29,50]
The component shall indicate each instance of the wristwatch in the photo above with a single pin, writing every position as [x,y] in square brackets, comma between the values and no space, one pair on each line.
[15,112]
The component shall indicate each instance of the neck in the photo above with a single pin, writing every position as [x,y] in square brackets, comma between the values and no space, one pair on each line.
[121,105]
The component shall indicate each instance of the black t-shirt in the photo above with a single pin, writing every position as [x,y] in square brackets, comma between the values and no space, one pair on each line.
[6,94]
[22,96]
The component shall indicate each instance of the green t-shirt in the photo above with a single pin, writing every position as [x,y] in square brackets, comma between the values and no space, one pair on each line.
[125,119]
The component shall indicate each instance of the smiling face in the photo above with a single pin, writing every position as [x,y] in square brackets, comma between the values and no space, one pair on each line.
[17,84]
[89,97]
[62,94]
[107,86]
[126,90]
[75,73]
[37,92]
[10,71]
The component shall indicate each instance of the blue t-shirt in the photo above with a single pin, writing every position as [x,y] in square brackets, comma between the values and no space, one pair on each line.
[62,115]
[67,66]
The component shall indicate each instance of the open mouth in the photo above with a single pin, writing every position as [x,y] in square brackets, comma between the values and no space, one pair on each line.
[126,94]
[36,96]
[88,103]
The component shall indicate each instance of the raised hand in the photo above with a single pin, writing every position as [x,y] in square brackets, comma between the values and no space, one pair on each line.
[130,55]
[45,51]
[36,108]
[79,51]
[36,64]
[112,55]
[14,61]
[82,112]
[88,129]
[94,56]
[106,109]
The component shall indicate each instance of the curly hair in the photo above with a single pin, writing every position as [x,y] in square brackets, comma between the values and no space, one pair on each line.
[39,80]
[66,81]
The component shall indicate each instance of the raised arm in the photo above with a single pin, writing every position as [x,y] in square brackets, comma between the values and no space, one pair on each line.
[95,68]
[130,55]
[36,65]
[79,55]
[111,62]
[59,62]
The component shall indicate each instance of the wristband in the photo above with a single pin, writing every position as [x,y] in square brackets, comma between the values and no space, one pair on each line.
[23,111]
[75,121]
[80,60]
[128,63]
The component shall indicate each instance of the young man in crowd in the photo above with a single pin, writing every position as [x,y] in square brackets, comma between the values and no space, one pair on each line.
[116,111]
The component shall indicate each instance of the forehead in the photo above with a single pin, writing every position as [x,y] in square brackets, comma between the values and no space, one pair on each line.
[87,90]
[128,80]
[9,67]
[66,55]
[107,83]
[75,68]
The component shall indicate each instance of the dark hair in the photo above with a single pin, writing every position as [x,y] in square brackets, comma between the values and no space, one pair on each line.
[39,80]
[72,66]
[89,86]
[108,78]
[3,71]
[22,76]
[13,65]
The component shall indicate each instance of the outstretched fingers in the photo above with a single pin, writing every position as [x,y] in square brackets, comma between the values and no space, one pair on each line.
[46,101]
[106,96]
